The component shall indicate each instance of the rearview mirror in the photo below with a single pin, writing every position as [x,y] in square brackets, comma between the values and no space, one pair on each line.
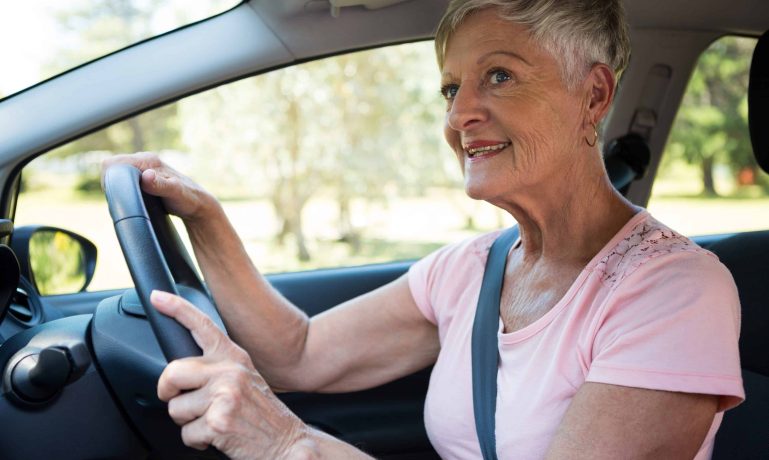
[57,261]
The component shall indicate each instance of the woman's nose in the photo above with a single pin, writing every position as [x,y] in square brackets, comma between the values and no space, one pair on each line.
[466,109]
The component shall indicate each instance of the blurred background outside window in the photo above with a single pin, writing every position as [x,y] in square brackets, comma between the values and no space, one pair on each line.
[341,161]
[709,182]
[42,38]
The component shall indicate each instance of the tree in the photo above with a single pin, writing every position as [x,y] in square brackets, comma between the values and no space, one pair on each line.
[389,117]
[711,126]
[95,29]
[353,126]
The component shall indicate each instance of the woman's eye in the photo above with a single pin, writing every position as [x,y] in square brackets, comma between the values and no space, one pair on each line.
[498,76]
[449,91]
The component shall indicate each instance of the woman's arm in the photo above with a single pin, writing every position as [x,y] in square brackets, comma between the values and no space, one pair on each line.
[611,421]
[316,444]
[348,348]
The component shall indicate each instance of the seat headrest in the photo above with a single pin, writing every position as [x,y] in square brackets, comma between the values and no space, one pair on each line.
[758,102]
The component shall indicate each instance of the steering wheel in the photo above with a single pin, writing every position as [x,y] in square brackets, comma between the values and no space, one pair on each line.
[156,258]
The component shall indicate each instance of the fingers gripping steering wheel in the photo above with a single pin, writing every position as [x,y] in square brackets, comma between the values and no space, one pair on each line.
[155,256]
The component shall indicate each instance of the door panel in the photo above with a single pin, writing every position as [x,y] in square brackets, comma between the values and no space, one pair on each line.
[386,421]
[318,290]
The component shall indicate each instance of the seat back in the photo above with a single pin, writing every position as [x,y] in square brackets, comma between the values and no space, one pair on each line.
[744,432]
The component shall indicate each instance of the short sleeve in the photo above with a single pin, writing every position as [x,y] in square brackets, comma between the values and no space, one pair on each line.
[673,324]
[420,278]
[448,278]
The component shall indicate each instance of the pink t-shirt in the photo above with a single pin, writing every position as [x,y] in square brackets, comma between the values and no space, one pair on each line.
[651,310]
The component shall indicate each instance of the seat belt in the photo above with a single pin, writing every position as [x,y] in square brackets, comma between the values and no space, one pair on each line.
[485,348]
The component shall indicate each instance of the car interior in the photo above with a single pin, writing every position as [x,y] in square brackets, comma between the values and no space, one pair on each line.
[79,370]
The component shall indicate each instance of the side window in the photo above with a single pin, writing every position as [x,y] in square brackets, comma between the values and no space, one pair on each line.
[335,162]
[708,168]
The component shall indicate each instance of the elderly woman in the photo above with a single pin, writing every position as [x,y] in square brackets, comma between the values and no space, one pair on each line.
[617,336]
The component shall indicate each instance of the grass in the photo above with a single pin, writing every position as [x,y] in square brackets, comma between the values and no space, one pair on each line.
[677,201]
[402,228]
[703,216]
[397,230]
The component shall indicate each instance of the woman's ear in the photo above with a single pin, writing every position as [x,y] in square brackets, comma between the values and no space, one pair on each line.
[601,86]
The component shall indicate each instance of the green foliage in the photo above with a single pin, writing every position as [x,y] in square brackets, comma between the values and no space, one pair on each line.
[57,262]
[711,126]
[98,27]
[358,122]
[89,183]
[363,125]
[151,131]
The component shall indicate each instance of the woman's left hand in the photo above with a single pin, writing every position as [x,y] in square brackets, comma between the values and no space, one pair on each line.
[219,399]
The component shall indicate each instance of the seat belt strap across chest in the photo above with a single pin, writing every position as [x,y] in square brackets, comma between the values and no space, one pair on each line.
[485,348]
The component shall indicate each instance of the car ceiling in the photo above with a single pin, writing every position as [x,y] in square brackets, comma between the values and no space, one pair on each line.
[745,17]
[297,21]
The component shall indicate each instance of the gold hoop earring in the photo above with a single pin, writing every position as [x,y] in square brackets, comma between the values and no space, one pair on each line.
[595,133]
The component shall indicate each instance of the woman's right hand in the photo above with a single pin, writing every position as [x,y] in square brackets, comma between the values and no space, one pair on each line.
[181,195]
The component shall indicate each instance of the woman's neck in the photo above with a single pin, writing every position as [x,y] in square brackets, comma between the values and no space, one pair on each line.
[571,219]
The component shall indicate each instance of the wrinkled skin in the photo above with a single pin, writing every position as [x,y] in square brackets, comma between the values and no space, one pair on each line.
[219,399]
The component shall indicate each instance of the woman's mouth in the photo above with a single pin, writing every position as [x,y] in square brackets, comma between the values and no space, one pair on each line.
[477,152]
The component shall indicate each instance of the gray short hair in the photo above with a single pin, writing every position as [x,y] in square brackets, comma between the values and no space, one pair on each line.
[577,33]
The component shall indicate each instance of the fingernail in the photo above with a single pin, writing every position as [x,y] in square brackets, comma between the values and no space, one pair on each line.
[160,296]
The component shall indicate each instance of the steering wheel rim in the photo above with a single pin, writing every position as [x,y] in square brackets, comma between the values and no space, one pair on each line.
[149,241]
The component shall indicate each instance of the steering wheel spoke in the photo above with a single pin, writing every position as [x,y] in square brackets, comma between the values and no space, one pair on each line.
[149,242]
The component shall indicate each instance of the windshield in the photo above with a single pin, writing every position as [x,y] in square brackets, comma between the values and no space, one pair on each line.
[42,38]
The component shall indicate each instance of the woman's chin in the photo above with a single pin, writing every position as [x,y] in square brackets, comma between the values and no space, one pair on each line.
[476,191]
[491,190]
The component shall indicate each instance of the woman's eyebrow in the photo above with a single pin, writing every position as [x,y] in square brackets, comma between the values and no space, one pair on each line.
[505,53]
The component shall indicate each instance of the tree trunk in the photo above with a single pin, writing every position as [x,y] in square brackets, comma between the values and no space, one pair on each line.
[297,197]
[285,229]
[470,222]
[301,247]
[279,205]
[708,184]
[345,222]
[347,233]
[137,135]
[290,214]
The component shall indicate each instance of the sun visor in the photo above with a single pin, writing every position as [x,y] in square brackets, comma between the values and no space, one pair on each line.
[758,102]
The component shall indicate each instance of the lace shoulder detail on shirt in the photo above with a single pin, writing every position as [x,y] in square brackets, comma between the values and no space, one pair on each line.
[647,240]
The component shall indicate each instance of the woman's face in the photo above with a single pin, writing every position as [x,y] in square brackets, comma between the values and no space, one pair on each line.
[510,119]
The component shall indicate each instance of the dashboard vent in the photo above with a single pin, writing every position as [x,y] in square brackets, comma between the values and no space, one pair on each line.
[20,308]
